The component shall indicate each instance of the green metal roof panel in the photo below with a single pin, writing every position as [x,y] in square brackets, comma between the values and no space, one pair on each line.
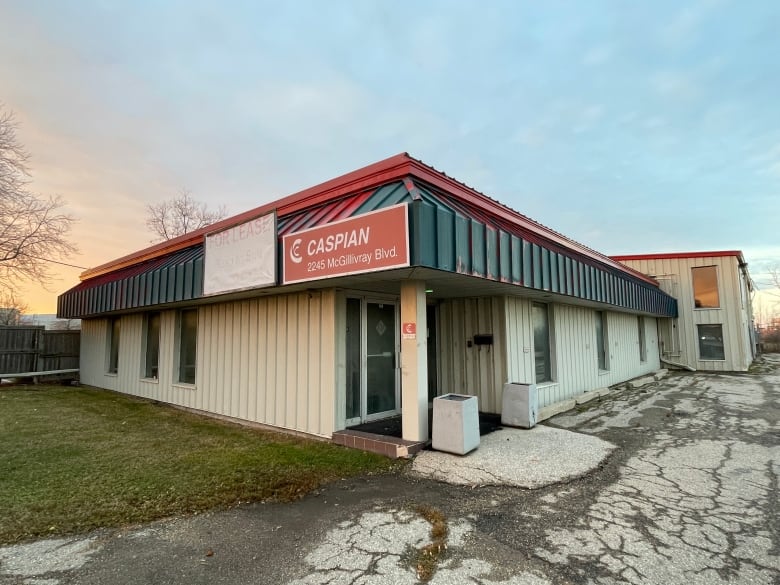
[445,233]
[173,278]
[438,235]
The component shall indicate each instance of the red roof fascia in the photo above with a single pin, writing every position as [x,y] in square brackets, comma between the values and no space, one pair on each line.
[378,173]
[372,175]
[442,181]
[674,255]
[126,272]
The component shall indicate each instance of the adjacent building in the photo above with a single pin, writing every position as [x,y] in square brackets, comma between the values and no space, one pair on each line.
[714,329]
[362,298]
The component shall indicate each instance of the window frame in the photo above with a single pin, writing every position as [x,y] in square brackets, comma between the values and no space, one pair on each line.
[113,337]
[700,270]
[700,337]
[602,341]
[146,374]
[642,332]
[181,347]
[550,370]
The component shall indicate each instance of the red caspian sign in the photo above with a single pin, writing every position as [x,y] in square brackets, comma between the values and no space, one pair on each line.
[377,240]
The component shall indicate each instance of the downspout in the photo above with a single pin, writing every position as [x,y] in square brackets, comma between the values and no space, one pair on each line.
[676,365]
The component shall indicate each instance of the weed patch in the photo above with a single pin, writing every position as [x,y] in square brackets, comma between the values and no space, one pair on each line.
[427,558]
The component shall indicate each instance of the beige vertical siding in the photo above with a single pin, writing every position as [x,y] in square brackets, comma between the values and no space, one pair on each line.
[733,314]
[519,340]
[268,360]
[573,348]
[576,362]
[477,370]
[745,320]
[94,354]
[483,371]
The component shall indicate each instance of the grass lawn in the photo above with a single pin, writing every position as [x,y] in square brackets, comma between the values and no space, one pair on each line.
[73,459]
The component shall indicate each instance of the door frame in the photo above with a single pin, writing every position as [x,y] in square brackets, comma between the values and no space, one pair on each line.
[378,299]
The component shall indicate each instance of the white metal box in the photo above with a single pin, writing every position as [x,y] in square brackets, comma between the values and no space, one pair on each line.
[455,423]
[520,405]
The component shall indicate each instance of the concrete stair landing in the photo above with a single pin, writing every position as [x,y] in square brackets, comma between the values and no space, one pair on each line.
[388,446]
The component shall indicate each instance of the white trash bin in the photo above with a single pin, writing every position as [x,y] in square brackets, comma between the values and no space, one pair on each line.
[519,405]
[455,423]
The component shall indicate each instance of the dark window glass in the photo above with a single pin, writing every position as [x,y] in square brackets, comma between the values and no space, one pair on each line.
[188,341]
[601,340]
[542,343]
[711,342]
[152,358]
[640,321]
[113,356]
[705,287]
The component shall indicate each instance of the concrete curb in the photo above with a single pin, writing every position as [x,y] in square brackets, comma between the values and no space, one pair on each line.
[636,383]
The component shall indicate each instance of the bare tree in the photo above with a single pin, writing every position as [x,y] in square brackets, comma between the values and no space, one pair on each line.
[11,308]
[33,229]
[14,174]
[774,278]
[65,325]
[180,215]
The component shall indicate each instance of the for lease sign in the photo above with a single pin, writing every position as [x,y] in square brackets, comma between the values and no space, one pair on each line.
[378,240]
[241,257]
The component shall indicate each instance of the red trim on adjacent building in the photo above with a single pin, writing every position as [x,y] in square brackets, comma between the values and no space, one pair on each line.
[382,172]
[673,255]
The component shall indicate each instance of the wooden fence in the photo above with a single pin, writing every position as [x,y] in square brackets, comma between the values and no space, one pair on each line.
[33,349]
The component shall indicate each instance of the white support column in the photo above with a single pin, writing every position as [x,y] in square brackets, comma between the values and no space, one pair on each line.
[414,362]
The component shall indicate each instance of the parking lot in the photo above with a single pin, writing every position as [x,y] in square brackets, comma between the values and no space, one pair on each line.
[687,495]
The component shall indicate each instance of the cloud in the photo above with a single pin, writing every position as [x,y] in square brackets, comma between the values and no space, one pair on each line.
[309,112]
[674,85]
[588,117]
[767,162]
[576,121]
[533,137]
[685,25]
[598,55]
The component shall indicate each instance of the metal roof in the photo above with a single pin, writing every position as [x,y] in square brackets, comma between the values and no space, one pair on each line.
[447,232]
[169,279]
[396,168]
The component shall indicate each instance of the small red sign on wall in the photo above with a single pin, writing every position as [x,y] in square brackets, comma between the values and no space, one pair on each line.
[409,331]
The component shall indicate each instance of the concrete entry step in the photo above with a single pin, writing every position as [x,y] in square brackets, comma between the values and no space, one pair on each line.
[391,426]
[392,447]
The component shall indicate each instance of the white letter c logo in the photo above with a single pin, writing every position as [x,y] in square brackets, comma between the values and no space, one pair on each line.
[294,255]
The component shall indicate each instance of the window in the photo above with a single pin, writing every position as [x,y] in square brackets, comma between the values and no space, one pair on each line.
[711,342]
[152,353]
[113,346]
[542,357]
[705,287]
[640,322]
[602,345]
[188,340]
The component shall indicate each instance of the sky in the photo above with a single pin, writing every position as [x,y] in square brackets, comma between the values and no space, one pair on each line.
[629,127]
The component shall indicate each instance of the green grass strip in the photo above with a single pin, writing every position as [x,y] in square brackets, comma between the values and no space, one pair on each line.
[74,459]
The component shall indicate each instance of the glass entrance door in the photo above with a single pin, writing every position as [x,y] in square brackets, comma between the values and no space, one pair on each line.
[354,360]
[372,356]
[380,359]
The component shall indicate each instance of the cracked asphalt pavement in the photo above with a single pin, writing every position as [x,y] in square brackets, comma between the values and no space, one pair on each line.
[689,496]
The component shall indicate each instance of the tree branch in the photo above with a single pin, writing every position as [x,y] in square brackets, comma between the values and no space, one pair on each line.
[180,215]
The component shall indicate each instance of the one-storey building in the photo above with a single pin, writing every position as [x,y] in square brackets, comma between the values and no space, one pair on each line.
[714,330]
[363,298]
